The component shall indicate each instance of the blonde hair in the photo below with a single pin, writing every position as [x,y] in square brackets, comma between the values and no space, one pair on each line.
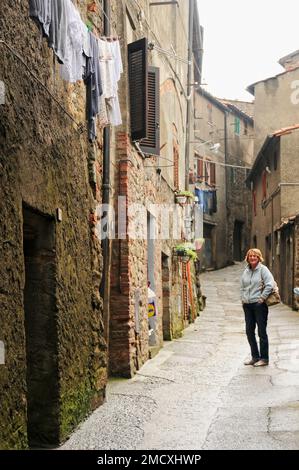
[257,252]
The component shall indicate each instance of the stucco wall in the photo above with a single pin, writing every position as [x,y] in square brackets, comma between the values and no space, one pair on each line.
[275,106]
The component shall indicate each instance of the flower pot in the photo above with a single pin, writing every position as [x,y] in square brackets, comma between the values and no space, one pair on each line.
[185,259]
[181,199]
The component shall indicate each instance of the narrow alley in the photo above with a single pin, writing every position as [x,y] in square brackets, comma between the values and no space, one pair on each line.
[197,394]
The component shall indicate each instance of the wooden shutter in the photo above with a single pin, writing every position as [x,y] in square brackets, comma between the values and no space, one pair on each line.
[212,174]
[151,144]
[200,172]
[138,87]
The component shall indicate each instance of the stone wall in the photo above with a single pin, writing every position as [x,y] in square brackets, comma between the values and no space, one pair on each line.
[136,178]
[43,168]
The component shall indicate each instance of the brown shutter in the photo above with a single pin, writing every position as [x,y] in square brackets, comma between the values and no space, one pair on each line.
[151,145]
[200,172]
[138,86]
[212,174]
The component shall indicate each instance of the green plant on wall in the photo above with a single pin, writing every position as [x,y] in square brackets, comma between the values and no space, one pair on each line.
[185,193]
[186,249]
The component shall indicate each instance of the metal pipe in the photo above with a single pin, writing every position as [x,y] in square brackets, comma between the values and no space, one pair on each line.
[104,288]
[227,179]
[189,88]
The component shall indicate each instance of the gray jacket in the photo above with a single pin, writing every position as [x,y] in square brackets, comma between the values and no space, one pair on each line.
[256,284]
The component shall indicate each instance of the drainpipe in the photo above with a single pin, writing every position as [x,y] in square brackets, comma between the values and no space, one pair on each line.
[189,108]
[228,250]
[104,288]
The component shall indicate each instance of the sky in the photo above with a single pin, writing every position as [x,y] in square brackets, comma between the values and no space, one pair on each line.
[243,41]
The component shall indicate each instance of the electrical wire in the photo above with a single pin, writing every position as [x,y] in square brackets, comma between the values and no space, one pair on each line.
[106,16]
[223,164]
[80,126]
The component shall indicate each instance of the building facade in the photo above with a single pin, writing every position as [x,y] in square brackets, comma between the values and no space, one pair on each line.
[223,153]
[274,176]
[239,159]
[148,173]
[74,303]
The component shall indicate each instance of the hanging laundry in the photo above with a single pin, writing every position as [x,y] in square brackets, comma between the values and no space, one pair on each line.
[114,112]
[82,55]
[93,83]
[77,43]
[111,69]
[61,14]
[118,65]
[40,11]
[199,194]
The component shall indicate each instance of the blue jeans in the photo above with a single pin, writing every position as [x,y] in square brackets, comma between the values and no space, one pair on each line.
[257,314]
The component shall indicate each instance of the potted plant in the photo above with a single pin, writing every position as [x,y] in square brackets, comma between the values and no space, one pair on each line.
[186,252]
[182,196]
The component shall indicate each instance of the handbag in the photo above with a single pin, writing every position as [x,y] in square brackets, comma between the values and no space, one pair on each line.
[274,297]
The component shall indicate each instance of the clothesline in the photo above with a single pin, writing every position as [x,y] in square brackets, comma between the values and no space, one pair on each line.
[83,55]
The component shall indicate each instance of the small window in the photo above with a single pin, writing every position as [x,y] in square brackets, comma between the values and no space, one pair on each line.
[207,171]
[245,128]
[237,125]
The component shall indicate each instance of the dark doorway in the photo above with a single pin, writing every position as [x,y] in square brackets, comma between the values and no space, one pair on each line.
[287,265]
[268,257]
[167,330]
[238,234]
[41,329]
[208,259]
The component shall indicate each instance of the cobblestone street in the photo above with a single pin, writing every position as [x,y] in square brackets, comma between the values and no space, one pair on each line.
[197,394]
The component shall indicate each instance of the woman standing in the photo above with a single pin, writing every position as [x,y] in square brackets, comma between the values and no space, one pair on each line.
[257,283]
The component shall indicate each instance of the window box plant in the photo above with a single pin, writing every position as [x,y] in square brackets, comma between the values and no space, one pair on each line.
[186,252]
[181,197]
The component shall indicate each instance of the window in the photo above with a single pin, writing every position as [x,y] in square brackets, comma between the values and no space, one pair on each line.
[245,127]
[237,125]
[144,86]
[209,170]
